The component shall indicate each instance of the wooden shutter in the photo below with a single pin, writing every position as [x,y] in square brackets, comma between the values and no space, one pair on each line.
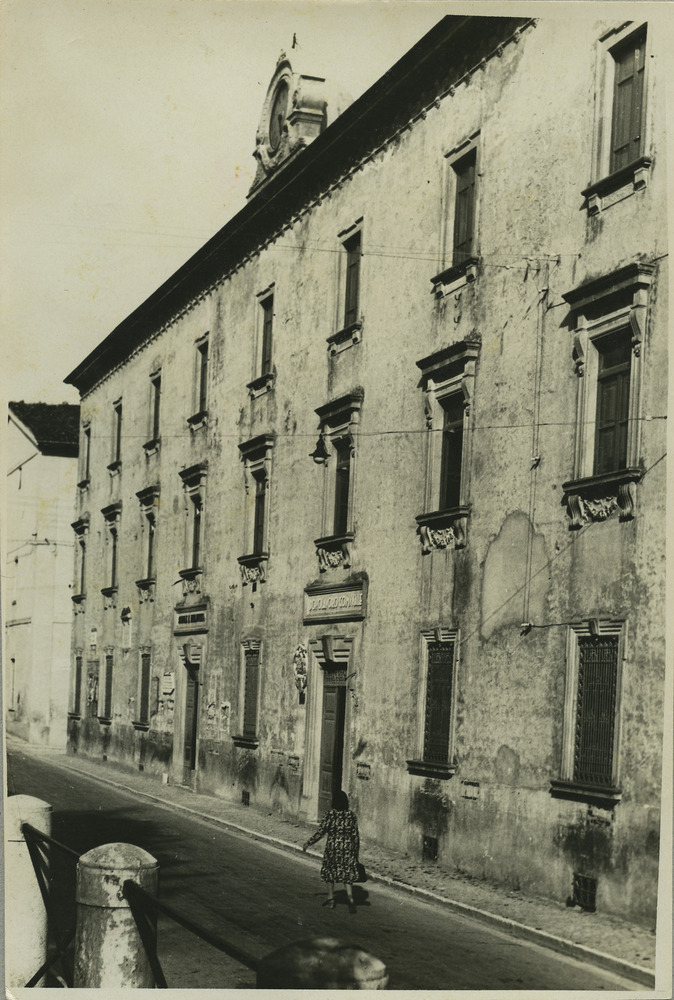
[143,715]
[267,332]
[203,376]
[196,531]
[342,485]
[628,95]
[438,702]
[353,249]
[113,555]
[150,546]
[464,208]
[107,694]
[117,456]
[595,710]
[251,684]
[78,685]
[612,417]
[452,451]
[156,402]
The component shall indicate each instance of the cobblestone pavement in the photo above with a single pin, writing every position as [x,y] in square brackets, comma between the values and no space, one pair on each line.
[600,933]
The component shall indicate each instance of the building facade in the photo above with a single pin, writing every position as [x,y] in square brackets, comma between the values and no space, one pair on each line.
[41,475]
[371,491]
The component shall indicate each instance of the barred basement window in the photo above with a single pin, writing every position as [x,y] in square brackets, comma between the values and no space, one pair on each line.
[589,770]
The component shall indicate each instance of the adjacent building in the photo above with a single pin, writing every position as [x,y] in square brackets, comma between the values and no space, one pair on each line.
[37,579]
[371,491]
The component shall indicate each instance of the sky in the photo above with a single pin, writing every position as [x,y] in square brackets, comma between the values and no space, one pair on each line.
[128,130]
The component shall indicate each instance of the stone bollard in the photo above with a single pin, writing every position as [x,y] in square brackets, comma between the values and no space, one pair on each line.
[321,964]
[108,948]
[26,917]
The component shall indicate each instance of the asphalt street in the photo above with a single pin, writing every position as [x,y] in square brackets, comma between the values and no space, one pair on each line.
[260,898]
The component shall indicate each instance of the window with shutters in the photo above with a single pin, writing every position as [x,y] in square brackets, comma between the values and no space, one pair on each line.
[194,492]
[609,317]
[85,457]
[142,719]
[199,416]
[590,758]
[116,449]
[447,380]
[149,510]
[105,707]
[436,703]
[264,369]
[81,529]
[112,516]
[249,694]
[349,321]
[257,461]
[622,157]
[336,451]
[76,698]
[151,446]
[459,214]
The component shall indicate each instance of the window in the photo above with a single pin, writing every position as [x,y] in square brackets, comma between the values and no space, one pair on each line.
[447,379]
[112,518]
[609,317]
[152,443]
[264,374]
[352,247]
[595,652]
[85,457]
[336,452]
[149,508]
[459,257]
[436,704]
[116,460]
[198,419]
[464,208]
[81,529]
[257,459]
[77,684]
[613,390]
[250,695]
[107,689]
[142,719]
[628,96]
[194,487]
[92,689]
[622,155]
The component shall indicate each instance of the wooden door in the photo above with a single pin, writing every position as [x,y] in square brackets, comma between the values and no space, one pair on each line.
[191,717]
[332,737]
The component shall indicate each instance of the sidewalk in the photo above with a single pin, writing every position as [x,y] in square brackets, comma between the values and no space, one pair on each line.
[594,937]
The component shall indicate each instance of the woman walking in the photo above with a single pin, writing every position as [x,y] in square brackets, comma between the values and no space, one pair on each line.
[340,859]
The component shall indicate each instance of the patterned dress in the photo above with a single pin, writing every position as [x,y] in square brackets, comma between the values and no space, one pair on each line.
[340,860]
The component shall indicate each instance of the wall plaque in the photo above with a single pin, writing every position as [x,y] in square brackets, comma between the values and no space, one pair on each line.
[335,604]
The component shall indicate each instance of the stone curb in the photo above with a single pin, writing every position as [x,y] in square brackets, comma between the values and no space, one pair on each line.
[508,926]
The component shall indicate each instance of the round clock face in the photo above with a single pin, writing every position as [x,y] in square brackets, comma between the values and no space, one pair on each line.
[278,115]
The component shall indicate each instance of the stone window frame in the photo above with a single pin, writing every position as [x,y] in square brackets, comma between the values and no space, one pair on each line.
[454,276]
[81,529]
[244,740]
[116,440]
[194,493]
[565,786]
[347,335]
[155,392]
[75,711]
[85,456]
[201,382]
[263,382]
[339,422]
[105,715]
[148,500]
[419,766]
[446,372]
[608,188]
[112,519]
[610,304]
[256,455]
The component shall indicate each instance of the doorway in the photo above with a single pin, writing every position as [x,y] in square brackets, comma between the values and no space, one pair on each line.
[332,734]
